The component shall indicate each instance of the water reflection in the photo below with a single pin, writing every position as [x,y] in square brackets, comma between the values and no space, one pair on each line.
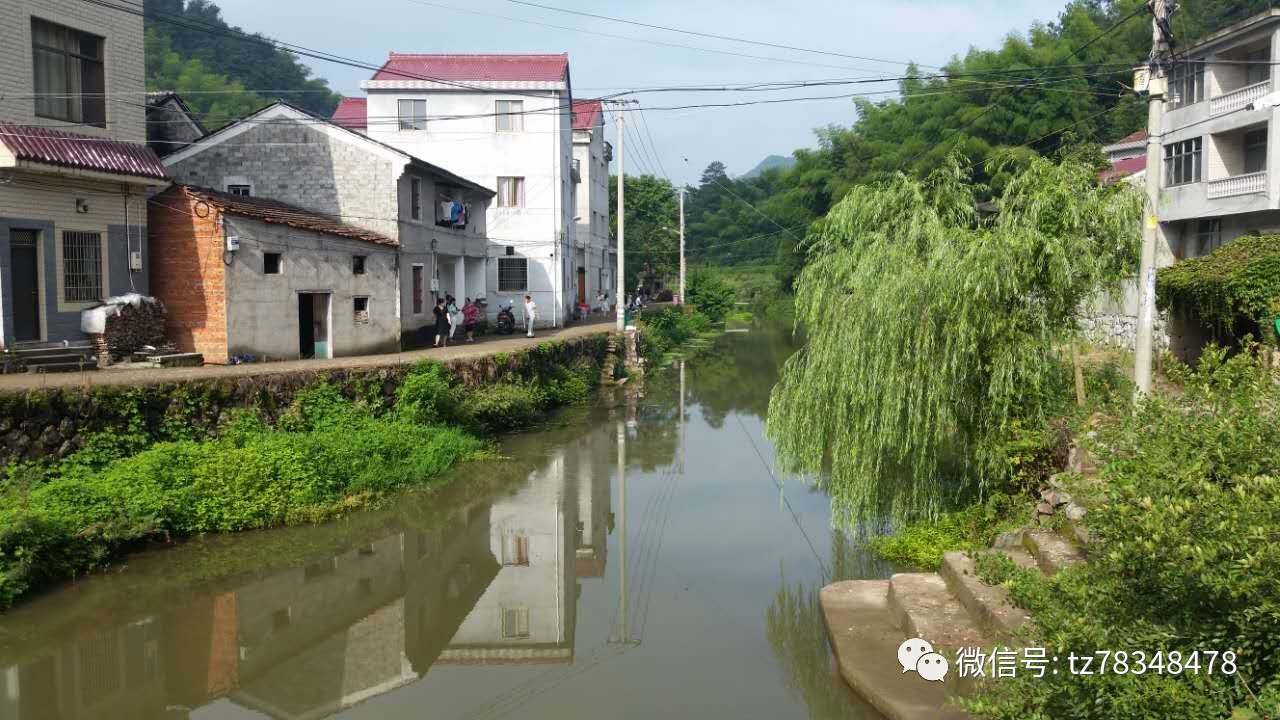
[487,597]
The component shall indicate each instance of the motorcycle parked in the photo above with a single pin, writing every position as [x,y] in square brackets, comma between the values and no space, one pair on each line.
[506,322]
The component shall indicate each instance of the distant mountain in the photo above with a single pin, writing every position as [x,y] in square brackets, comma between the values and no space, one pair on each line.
[769,163]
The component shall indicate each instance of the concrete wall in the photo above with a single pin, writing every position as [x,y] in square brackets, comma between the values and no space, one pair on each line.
[472,147]
[122,55]
[48,204]
[592,209]
[188,274]
[262,310]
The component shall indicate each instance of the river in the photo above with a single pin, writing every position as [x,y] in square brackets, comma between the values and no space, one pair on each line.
[630,561]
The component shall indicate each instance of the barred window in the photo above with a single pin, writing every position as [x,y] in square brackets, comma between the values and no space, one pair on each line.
[360,308]
[513,274]
[510,115]
[81,266]
[1182,162]
[515,623]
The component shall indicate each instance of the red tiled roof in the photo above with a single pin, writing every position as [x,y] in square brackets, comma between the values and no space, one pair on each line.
[586,113]
[1139,136]
[278,213]
[56,147]
[352,113]
[1123,168]
[411,66]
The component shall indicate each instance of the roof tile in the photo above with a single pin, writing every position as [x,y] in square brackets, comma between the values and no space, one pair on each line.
[276,212]
[586,113]
[352,113]
[492,68]
[46,146]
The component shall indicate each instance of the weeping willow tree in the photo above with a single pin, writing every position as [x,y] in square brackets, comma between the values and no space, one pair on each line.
[932,329]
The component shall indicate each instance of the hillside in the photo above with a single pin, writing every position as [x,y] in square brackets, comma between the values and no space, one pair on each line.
[192,50]
[783,162]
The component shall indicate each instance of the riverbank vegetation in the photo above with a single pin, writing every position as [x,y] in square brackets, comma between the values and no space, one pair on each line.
[924,355]
[1184,556]
[326,455]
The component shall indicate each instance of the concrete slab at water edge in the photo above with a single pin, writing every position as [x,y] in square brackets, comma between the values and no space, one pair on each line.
[924,607]
[988,605]
[865,638]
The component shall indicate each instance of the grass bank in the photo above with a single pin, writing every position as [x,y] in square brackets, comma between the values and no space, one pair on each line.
[328,453]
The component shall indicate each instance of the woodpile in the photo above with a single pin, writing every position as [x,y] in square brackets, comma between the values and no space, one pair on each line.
[134,328]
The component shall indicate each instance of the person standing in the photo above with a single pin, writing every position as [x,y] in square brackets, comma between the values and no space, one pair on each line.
[470,316]
[530,314]
[602,302]
[442,323]
[453,313]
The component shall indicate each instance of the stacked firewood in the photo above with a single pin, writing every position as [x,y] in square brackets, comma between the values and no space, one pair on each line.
[135,327]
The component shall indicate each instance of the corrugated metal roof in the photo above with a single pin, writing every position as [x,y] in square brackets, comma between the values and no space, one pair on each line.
[586,113]
[276,212]
[497,68]
[57,147]
[352,113]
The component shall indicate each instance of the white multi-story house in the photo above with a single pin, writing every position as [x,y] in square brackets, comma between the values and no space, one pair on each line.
[74,168]
[504,121]
[594,254]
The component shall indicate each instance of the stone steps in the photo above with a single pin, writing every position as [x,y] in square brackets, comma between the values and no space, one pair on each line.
[868,619]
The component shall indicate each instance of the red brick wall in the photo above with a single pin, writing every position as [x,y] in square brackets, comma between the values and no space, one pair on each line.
[187,273]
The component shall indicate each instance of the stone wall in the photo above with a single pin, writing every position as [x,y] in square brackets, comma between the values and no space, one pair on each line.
[43,424]
[1120,330]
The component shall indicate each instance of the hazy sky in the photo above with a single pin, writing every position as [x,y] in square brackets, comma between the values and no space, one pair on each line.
[929,32]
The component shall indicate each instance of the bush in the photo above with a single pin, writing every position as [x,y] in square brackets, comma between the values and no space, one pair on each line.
[1185,556]
[503,407]
[709,294]
[922,543]
[427,394]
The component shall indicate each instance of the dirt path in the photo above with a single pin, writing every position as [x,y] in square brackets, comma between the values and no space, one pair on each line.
[489,345]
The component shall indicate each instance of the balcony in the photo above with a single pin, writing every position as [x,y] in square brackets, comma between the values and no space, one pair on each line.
[1238,99]
[1250,184]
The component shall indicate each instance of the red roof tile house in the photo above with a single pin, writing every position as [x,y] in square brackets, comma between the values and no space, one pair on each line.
[74,168]
[505,122]
[250,278]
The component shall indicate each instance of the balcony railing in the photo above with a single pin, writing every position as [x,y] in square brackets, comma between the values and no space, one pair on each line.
[1238,99]
[1238,185]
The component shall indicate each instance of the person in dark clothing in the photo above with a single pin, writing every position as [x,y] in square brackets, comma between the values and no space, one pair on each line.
[442,323]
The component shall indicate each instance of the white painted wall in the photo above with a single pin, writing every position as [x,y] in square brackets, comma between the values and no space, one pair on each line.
[473,148]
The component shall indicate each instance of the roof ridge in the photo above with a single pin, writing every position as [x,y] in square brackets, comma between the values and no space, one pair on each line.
[394,53]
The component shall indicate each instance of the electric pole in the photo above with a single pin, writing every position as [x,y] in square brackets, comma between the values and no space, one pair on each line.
[622,222]
[682,251]
[1152,232]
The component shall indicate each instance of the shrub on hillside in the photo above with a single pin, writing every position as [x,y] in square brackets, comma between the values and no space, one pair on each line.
[1185,556]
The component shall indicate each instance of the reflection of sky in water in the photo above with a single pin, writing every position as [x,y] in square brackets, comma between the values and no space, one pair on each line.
[502,601]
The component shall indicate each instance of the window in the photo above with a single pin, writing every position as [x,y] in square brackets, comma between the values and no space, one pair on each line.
[280,619]
[81,266]
[1255,151]
[242,190]
[515,550]
[69,81]
[515,623]
[417,289]
[577,170]
[513,274]
[357,264]
[510,115]
[1182,162]
[413,114]
[270,263]
[1259,67]
[510,192]
[1208,235]
[1186,83]
[360,310]
[415,198]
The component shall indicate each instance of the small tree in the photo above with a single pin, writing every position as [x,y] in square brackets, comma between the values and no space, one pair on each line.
[932,330]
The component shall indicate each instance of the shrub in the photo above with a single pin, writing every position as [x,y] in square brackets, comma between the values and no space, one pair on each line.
[922,543]
[709,294]
[426,396]
[1185,556]
[502,407]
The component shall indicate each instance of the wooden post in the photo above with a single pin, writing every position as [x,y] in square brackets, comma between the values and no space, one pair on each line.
[1079,372]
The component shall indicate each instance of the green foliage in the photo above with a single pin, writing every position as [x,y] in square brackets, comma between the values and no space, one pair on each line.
[1238,281]
[222,61]
[709,294]
[504,407]
[653,249]
[570,385]
[426,395]
[665,330]
[1185,555]
[930,331]
[922,543]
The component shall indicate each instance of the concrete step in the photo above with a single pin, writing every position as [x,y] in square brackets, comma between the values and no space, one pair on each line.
[865,638]
[58,367]
[925,608]
[25,350]
[1052,552]
[51,356]
[988,606]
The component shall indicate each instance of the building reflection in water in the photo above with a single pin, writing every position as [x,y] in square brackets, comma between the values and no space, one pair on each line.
[495,582]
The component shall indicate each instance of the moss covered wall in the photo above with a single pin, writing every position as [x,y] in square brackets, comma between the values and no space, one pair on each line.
[53,423]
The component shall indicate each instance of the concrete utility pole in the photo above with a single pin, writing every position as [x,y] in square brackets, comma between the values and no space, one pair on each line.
[1152,232]
[622,223]
[682,256]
